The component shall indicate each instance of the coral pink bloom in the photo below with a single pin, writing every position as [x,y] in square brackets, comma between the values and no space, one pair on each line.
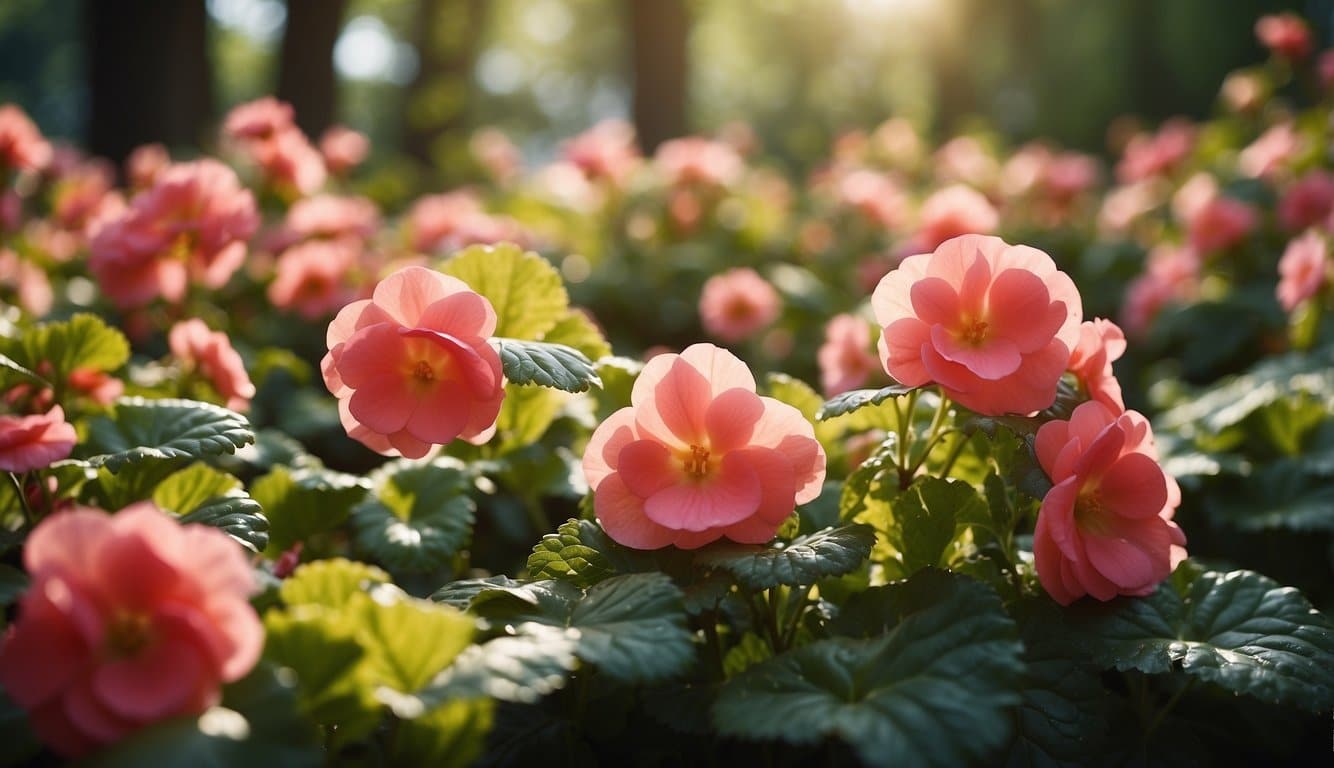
[145,164]
[326,216]
[1285,35]
[1303,270]
[605,151]
[496,153]
[442,223]
[34,442]
[694,160]
[1308,202]
[1171,274]
[964,160]
[1125,205]
[1105,528]
[1156,154]
[99,386]
[343,149]
[258,120]
[1220,224]
[31,285]
[699,456]
[130,619]
[737,304]
[212,355]
[311,277]
[994,324]
[290,163]
[1100,342]
[875,196]
[953,211]
[411,366]
[846,360]
[1265,156]
[21,144]
[1324,68]
[192,224]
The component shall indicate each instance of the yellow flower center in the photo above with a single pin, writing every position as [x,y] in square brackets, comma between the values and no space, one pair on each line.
[697,463]
[127,634]
[1090,514]
[423,371]
[974,333]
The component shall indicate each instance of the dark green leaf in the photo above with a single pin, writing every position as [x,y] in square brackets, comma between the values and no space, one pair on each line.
[806,560]
[18,743]
[522,668]
[139,429]
[419,516]
[564,555]
[926,517]
[12,374]
[546,364]
[237,514]
[1230,401]
[859,398]
[1239,630]
[461,593]
[935,689]
[13,583]
[257,724]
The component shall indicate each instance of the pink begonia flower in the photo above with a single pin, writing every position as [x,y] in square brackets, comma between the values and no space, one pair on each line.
[899,143]
[953,211]
[964,160]
[605,151]
[311,277]
[22,147]
[326,217]
[697,161]
[737,304]
[1284,34]
[145,164]
[992,323]
[129,620]
[78,195]
[34,442]
[1105,528]
[845,358]
[1265,156]
[1219,224]
[1170,275]
[1198,191]
[343,149]
[290,163]
[192,224]
[1244,91]
[1324,68]
[454,220]
[1308,202]
[1156,154]
[258,120]
[98,386]
[411,366]
[698,456]
[30,283]
[1302,270]
[1123,206]
[1100,342]
[212,355]
[877,197]
[496,153]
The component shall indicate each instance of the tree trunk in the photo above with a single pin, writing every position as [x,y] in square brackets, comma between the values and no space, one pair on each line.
[306,71]
[148,74]
[658,33]
[436,120]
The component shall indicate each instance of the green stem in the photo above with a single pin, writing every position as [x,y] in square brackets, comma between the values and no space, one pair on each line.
[715,643]
[794,618]
[953,455]
[23,498]
[1167,708]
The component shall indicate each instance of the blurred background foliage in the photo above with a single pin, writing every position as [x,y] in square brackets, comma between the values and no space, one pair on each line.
[420,76]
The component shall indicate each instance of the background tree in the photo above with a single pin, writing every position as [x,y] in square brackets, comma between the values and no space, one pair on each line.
[658,35]
[306,71]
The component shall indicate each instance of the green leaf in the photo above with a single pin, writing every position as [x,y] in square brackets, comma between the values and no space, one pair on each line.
[859,398]
[523,668]
[525,415]
[13,374]
[546,364]
[524,288]
[82,342]
[618,376]
[576,330]
[334,671]
[303,502]
[632,627]
[330,583]
[934,690]
[139,429]
[804,561]
[410,640]
[188,489]
[1230,401]
[256,724]
[460,593]
[452,735]
[1239,630]
[238,515]
[925,520]
[13,583]
[18,743]
[750,651]
[565,555]
[419,516]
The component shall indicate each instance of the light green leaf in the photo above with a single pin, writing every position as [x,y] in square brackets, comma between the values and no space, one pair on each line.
[565,555]
[330,583]
[256,724]
[848,402]
[410,640]
[576,330]
[803,561]
[546,364]
[525,415]
[335,673]
[306,501]
[632,627]
[419,516]
[137,429]
[452,735]
[188,489]
[1239,630]
[925,520]
[618,376]
[524,288]
[82,342]
[948,667]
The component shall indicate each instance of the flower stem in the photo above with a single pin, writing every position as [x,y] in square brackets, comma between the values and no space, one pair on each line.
[23,498]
